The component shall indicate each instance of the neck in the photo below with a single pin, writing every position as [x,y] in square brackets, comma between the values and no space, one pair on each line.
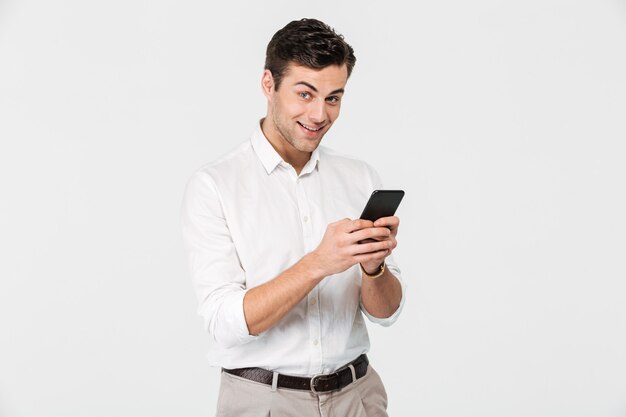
[294,157]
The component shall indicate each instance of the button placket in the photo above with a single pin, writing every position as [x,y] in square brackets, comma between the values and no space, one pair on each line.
[315,334]
[305,215]
[313,316]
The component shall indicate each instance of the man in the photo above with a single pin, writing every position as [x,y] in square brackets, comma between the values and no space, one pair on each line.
[282,272]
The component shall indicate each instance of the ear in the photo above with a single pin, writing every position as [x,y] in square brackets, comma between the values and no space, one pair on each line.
[267,83]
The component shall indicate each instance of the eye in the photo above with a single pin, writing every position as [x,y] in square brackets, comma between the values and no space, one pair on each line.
[333,99]
[304,95]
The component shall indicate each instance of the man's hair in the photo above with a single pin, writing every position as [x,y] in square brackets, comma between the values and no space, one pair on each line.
[307,42]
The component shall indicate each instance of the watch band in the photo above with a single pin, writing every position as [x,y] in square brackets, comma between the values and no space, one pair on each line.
[376,275]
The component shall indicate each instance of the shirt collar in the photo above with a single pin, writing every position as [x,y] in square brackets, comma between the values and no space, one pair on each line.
[271,159]
[264,150]
[312,163]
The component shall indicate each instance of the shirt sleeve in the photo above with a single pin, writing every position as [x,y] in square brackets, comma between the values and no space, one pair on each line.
[391,265]
[218,278]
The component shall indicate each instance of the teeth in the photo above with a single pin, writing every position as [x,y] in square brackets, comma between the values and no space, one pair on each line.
[310,128]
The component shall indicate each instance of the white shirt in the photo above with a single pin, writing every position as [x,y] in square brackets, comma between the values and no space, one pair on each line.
[246,218]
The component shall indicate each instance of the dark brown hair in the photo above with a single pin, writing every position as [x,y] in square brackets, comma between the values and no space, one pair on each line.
[310,43]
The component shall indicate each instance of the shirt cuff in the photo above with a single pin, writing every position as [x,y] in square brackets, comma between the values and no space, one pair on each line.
[232,329]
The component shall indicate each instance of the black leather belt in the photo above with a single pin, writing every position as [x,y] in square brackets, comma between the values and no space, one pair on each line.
[318,383]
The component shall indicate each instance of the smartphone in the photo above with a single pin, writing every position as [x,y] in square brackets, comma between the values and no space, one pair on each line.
[382,203]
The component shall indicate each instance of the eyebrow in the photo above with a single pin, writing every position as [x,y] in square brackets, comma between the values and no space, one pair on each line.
[337,91]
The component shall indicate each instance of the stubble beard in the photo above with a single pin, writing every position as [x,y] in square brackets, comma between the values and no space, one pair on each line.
[289,136]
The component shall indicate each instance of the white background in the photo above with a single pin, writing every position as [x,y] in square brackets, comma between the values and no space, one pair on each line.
[503,121]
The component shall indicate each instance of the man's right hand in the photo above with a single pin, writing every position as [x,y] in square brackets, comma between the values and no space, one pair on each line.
[340,248]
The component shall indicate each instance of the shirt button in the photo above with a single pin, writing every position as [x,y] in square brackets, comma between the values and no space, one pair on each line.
[306,219]
[313,301]
[315,342]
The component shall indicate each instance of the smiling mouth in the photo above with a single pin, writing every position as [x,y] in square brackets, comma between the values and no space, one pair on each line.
[311,129]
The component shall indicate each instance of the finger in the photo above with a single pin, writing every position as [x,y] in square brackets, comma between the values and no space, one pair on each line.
[371,247]
[391,221]
[392,242]
[376,233]
[374,239]
[357,224]
[376,257]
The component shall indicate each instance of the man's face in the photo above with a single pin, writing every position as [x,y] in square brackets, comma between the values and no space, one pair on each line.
[304,107]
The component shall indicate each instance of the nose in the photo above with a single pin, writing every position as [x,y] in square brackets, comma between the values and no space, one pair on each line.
[317,110]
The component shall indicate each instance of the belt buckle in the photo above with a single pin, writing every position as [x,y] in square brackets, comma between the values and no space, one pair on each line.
[312,383]
[323,376]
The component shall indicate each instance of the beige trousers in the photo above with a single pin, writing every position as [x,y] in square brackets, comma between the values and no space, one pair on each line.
[241,397]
